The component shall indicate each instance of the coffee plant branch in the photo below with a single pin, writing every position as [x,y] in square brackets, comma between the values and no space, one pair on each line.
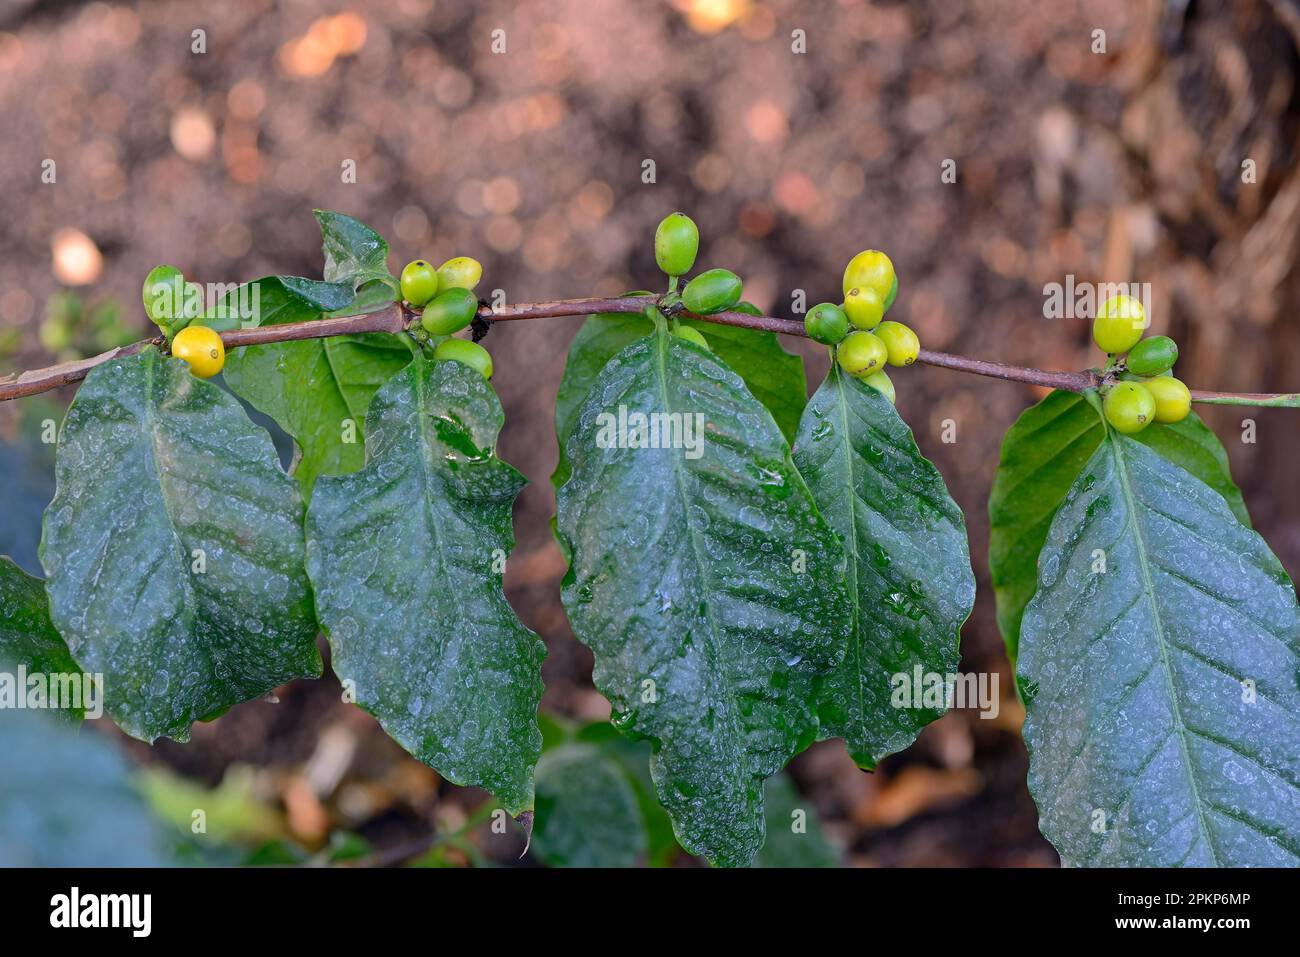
[397,317]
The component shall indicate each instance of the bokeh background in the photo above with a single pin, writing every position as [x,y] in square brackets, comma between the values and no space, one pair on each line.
[1119,165]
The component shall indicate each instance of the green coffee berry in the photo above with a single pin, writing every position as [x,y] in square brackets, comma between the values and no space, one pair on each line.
[870,269]
[467,353]
[450,311]
[900,341]
[712,291]
[826,323]
[1119,324]
[893,294]
[677,240]
[692,335]
[864,307]
[860,354]
[460,273]
[1153,356]
[1173,399]
[881,382]
[1129,407]
[419,282]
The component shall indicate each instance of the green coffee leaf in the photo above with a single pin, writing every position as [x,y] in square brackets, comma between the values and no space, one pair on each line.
[634,758]
[273,300]
[1159,659]
[587,811]
[705,581]
[173,548]
[318,390]
[27,636]
[794,832]
[909,572]
[774,377]
[406,557]
[354,253]
[1041,457]
[67,800]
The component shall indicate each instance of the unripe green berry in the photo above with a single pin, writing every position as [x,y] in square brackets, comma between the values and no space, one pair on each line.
[1129,407]
[692,335]
[864,307]
[467,353]
[870,269]
[860,354]
[460,273]
[893,294]
[712,291]
[1119,324]
[450,311]
[1173,399]
[419,282]
[900,341]
[826,323]
[677,240]
[163,294]
[1153,356]
[881,382]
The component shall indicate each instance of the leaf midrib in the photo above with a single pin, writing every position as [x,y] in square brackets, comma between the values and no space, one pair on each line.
[851,544]
[661,353]
[1162,643]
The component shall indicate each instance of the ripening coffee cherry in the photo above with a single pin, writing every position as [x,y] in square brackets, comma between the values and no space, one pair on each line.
[1119,324]
[460,273]
[712,291]
[881,382]
[419,282]
[1173,399]
[870,269]
[692,335]
[1129,407]
[864,307]
[826,323]
[450,311]
[163,294]
[202,348]
[467,353]
[860,354]
[900,341]
[677,240]
[1153,356]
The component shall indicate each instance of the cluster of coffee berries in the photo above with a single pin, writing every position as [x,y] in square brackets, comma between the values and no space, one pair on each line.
[1146,391]
[173,304]
[677,241]
[446,297]
[870,288]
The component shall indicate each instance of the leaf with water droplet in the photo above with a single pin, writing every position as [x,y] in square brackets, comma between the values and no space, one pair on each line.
[909,572]
[1164,728]
[1042,455]
[143,583]
[27,636]
[689,634]
[403,556]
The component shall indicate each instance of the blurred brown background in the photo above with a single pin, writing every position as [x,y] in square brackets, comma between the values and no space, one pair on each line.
[1111,166]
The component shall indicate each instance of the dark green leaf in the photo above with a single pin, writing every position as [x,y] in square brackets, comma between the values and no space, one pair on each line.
[1162,648]
[67,800]
[909,572]
[587,811]
[27,636]
[1041,457]
[774,376]
[406,557]
[174,548]
[706,582]
[794,832]
[354,253]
